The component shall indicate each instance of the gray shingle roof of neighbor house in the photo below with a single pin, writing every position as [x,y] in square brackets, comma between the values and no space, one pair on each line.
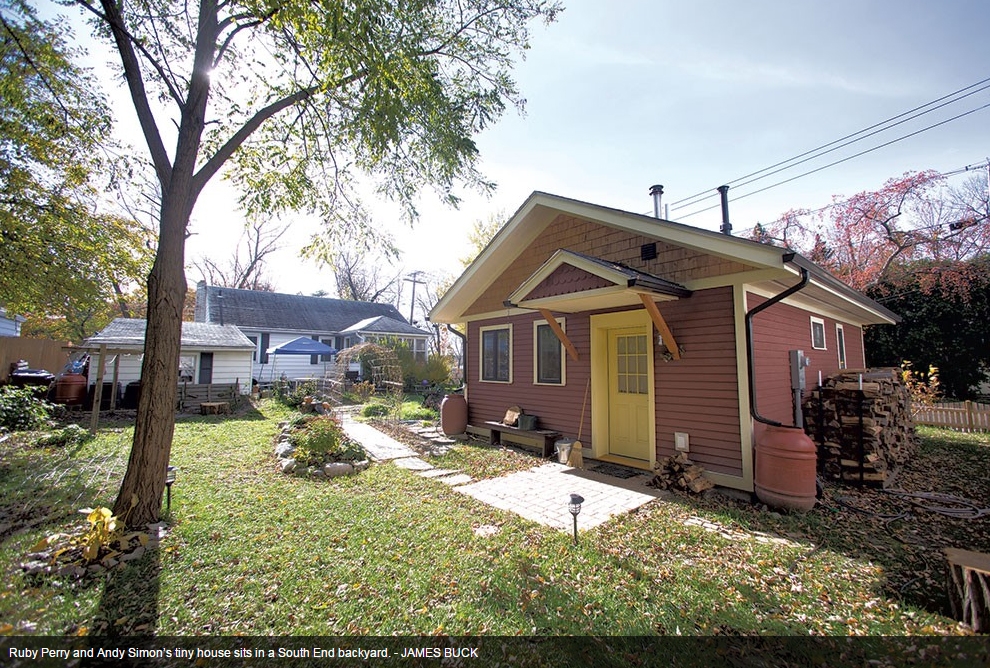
[275,311]
[385,325]
[129,333]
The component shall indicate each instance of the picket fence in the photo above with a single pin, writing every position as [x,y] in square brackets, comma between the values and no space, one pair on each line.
[959,415]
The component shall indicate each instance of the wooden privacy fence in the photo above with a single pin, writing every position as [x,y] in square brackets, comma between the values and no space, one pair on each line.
[38,353]
[192,395]
[961,415]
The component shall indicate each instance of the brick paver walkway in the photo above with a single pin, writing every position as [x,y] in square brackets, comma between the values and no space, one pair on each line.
[540,494]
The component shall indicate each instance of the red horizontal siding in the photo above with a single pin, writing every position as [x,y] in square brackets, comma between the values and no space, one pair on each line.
[780,329]
[558,407]
[699,393]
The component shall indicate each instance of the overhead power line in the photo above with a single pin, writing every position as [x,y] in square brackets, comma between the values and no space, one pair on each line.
[854,137]
[846,159]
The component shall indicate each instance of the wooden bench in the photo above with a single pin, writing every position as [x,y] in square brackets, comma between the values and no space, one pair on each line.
[214,407]
[544,436]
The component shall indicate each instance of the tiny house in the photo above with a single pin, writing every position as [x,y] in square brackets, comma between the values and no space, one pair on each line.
[640,325]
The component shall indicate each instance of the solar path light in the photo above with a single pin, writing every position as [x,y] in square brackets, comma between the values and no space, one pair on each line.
[575,509]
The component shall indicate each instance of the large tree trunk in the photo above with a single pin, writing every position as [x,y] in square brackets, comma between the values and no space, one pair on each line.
[144,480]
[140,499]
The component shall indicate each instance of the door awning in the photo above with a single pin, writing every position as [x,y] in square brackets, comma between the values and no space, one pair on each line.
[570,282]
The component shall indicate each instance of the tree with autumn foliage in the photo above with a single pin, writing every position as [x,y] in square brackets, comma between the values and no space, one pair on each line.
[68,258]
[920,248]
[870,237]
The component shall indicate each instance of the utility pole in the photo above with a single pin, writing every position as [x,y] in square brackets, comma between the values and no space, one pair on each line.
[412,300]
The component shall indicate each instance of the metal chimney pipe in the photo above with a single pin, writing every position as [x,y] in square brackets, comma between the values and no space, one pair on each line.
[656,192]
[726,228]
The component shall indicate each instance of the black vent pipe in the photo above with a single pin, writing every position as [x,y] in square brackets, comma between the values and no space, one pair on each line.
[749,339]
[723,192]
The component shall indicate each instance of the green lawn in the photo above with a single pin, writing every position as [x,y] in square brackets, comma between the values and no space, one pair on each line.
[252,551]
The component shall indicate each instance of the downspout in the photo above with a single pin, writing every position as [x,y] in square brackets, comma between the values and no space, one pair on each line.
[749,339]
[463,338]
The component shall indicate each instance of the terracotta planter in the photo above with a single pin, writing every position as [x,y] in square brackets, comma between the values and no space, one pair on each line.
[453,414]
[785,469]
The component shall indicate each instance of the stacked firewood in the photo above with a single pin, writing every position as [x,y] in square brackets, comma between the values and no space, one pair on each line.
[861,420]
[679,472]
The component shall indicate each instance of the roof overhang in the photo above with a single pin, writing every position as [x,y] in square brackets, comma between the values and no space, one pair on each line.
[770,268]
[622,286]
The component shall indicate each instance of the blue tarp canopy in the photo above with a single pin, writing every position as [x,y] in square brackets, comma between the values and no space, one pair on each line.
[302,346]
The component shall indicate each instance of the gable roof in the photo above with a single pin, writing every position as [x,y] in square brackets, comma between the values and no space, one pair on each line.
[129,333]
[276,311]
[385,325]
[766,267]
[570,282]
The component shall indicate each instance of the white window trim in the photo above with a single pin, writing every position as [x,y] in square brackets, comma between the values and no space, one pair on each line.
[481,353]
[840,347]
[195,368]
[818,321]
[536,354]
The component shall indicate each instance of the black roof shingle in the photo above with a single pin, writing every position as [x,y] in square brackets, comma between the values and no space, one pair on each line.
[275,311]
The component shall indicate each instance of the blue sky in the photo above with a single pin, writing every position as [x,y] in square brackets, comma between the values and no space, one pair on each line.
[625,94]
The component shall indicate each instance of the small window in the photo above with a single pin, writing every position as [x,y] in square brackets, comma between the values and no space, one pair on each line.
[496,354]
[187,369]
[254,353]
[548,366]
[818,334]
[840,342]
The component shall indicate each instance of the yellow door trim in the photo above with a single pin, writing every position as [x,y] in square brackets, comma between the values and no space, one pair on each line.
[600,325]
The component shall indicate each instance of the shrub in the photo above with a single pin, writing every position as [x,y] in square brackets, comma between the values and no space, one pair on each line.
[20,409]
[363,390]
[412,410]
[73,434]
[375,410]
[322,440]
[293,398]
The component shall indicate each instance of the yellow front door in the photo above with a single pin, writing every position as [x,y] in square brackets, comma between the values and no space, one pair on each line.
[629,393]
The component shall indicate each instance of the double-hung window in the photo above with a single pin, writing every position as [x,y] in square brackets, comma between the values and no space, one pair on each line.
[496,354]
[818,333]
[548,363]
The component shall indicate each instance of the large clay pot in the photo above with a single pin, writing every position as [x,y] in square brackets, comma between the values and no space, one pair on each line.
[70,389]
[453,414]
[785,468]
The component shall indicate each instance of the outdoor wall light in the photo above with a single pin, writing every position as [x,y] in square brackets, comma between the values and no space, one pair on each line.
[575,509]
[169,479]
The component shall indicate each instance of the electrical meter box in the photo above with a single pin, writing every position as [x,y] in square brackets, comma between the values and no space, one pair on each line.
[798,364]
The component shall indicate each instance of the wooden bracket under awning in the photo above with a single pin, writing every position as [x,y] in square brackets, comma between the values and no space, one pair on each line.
[561,335]
[668,336]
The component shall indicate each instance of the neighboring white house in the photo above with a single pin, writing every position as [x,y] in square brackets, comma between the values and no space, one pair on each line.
[10,324]
[270,319]
[209,353]
[384,329]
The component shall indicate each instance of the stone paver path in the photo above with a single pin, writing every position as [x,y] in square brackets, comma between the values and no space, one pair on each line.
[540,494]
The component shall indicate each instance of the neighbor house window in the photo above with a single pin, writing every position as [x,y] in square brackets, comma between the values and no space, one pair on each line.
[254,353]
[187,369]
[496,354]
[548,365]
[840,341]
[818,333]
